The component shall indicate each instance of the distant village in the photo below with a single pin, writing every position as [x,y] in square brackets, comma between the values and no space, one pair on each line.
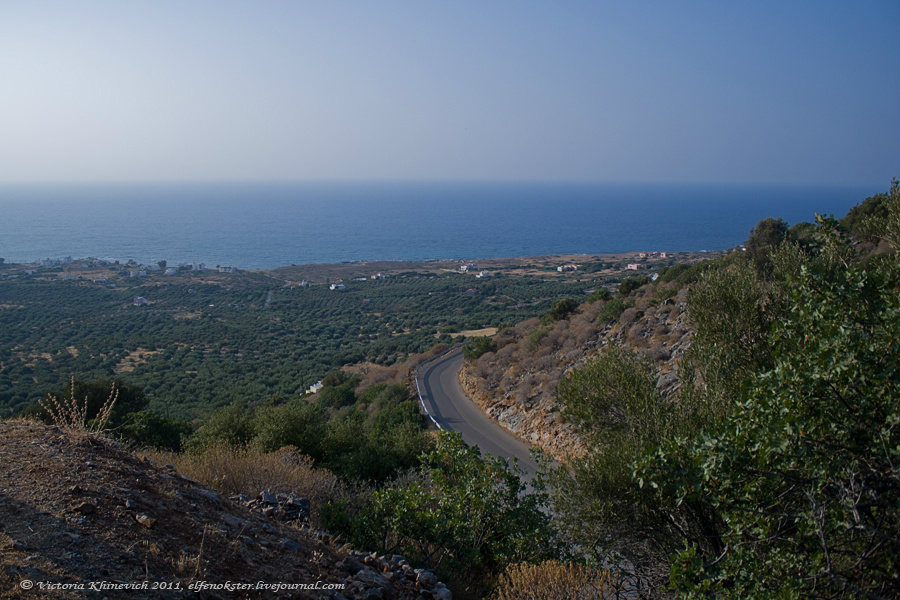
[90,269]
[72,266]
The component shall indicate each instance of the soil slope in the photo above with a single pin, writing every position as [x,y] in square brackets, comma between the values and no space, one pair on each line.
[77,511]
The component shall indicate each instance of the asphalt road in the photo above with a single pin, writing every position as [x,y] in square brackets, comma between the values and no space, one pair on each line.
[449,405]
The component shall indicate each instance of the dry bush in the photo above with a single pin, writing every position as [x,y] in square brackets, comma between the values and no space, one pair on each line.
[584,332]
[629,316]
[482,368]
[553,580]
[659,353]
[505,353]
[70,415]
[233,470]
[526,327]
[637,332]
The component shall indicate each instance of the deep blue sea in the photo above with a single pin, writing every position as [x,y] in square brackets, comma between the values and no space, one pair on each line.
[266,225]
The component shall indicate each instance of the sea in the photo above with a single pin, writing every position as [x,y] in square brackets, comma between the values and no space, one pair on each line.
[263,225]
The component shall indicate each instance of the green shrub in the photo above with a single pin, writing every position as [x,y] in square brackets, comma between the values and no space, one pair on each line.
[630,284]
[479,346]
[146,429]
[560,310]
[611,311]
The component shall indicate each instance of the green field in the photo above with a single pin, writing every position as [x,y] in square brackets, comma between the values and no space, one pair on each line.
[205,340]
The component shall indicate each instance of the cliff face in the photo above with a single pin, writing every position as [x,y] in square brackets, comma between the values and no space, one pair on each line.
[80,517]
[516,383]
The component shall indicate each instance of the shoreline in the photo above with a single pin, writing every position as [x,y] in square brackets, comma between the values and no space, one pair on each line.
[556,265]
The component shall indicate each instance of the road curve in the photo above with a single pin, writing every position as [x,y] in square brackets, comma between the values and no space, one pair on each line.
[451,408]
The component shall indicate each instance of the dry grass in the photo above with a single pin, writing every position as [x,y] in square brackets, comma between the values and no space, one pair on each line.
[553,580]
[238,470]
[70,415]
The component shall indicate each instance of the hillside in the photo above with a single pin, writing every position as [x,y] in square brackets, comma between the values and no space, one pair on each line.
[78,509]
[515,383]
[195,341]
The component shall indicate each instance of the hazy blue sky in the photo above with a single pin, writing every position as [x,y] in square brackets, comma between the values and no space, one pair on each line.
[719,91]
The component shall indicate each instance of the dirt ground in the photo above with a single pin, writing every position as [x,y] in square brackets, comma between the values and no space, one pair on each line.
[82,518]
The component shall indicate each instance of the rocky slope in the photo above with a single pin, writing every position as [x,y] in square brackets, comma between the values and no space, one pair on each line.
[516,383]
[82,518]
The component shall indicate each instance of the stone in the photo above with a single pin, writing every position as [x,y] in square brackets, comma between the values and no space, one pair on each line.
[440,592]
[351,565]
[208,494]
[293,546]
[85,508]
[398,560]
[426,579]
[234,522]
[145,520]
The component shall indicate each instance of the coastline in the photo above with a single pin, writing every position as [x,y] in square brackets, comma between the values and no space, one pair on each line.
[578,266]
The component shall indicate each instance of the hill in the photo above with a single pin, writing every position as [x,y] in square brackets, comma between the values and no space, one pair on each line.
[77,511]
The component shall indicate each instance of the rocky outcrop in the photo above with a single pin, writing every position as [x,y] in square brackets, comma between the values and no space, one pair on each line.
[515,385]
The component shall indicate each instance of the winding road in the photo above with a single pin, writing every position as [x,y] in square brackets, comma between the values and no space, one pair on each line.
[450,407]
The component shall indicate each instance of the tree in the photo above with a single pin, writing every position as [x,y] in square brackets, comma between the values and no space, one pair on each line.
[804,472]
[630,284]
[764,238]
[560,310]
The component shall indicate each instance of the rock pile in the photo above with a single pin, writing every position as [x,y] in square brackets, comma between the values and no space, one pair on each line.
[280,507]
[374,577]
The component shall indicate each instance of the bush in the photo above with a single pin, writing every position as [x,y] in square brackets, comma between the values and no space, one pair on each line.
[667,274]
[232,425]
[630,284]
[560,310]
[479,346]
[803,471]
[467,517]
[241,470]
[146,429]
[554,580]
[601,294]
[611,311]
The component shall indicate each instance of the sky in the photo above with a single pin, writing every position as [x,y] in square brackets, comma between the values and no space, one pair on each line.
[786,92]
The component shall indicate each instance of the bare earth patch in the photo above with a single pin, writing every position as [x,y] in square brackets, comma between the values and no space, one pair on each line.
[77,510]
[133,359]
[486,332]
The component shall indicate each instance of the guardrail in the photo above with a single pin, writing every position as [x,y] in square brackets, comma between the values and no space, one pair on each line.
[416,377]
